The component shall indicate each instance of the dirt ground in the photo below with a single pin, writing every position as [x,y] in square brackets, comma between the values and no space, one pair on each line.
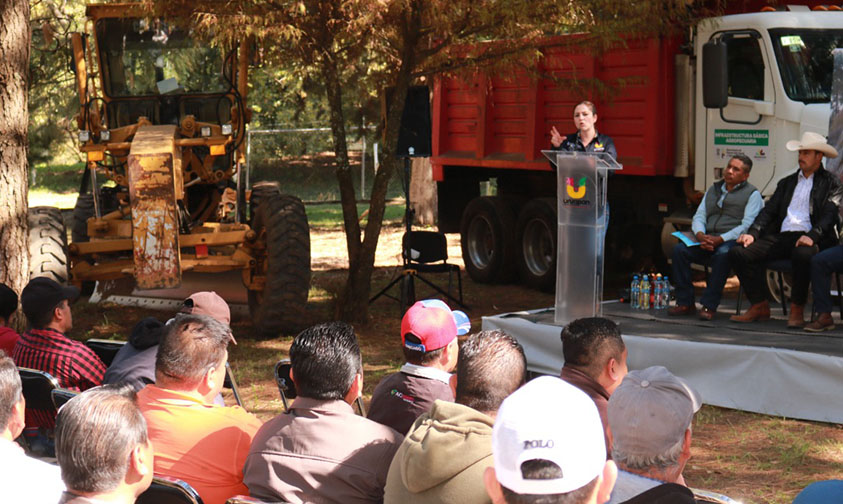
[753,458]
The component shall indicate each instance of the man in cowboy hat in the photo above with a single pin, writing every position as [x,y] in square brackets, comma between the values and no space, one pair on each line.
[798,221]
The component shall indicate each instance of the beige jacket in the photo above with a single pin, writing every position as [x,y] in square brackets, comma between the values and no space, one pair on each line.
[442,458]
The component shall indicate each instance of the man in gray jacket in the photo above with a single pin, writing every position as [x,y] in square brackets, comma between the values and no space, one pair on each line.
[727,210]
[446,451]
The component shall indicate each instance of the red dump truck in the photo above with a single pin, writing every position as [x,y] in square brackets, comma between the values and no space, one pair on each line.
[775,71]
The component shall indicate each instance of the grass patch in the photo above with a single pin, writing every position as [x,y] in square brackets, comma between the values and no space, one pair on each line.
[55,185]
[312,177]
[330,216]
[45,197]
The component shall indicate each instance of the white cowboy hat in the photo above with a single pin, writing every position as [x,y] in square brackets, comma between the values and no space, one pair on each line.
[812,141]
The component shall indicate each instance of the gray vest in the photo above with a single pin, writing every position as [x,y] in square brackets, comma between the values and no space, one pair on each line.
[720,220]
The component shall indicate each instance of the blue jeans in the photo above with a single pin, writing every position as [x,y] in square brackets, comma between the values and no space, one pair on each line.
[718,261]
[822,266]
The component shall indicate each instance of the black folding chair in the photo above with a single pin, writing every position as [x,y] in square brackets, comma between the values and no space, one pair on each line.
[282,379]
[105,349]
[61,396]
[287,388]
[231,383]
[780,267]
[37,389]
[167,490]
[424,252]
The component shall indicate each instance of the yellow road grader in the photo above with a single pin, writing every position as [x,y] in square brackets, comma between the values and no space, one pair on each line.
[163,118]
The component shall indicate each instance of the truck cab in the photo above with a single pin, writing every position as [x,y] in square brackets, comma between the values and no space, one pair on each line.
[778,73]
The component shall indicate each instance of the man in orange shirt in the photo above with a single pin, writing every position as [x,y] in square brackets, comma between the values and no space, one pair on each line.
[196,440]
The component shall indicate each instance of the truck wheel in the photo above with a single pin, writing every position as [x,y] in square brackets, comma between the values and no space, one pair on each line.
[536,232]
[47,244]
[281,222]
[771,286]
[487,233]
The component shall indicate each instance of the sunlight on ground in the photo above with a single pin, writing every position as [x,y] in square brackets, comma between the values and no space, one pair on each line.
[41,197]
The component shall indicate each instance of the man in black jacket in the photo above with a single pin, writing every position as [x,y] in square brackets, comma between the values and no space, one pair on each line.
[798,221]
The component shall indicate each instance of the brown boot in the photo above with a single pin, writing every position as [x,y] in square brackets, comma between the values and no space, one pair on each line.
[758,311]
[797,316]
[824,322]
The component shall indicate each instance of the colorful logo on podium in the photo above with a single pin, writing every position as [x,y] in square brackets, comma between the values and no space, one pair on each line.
[573,191]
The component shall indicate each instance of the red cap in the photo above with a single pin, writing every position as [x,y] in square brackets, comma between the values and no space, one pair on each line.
[434,327]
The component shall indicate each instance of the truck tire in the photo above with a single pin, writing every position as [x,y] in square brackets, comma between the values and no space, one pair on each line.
[537,236]
[280,307]
[47,244]
[771,286]
[83,211]
[487,232]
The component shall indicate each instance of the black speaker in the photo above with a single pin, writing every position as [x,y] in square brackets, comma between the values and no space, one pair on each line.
[415,123]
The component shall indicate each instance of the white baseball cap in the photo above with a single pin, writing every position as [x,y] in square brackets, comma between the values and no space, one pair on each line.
[552,420]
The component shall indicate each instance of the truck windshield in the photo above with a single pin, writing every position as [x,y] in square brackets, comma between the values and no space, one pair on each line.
[143,57]
[805,61]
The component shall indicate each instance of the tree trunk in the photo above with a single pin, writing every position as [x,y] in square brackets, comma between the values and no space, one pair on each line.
[355,302]
[14,120]
[423,192]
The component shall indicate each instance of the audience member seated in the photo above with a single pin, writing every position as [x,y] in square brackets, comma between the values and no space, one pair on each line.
[135,362]
[24,479]
[823,265]
[8,306]
[429,332]
[103,448]
[650,415]
[444,455]
[46,347]
[195,440]
[319,450]
[548,448]
[595,362]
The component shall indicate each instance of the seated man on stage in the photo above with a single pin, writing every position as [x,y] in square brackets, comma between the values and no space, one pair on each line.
[823,265]
[726,212]
[797,222]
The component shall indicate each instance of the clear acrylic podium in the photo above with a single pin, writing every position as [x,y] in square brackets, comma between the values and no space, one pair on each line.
[581,209]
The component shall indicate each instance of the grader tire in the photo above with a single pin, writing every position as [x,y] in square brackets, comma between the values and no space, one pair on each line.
[47,244]
[281,307]
[83,211]
[259,192]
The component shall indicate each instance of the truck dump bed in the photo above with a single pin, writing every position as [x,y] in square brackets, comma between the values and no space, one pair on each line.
[503,121]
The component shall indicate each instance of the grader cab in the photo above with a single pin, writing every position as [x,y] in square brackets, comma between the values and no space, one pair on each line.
[162,122]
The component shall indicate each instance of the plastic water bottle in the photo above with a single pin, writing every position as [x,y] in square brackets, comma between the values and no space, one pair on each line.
[666,291]
[645,292]
[635,292]
[657,292]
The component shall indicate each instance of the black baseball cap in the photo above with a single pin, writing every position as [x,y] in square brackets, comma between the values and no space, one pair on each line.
[42,294]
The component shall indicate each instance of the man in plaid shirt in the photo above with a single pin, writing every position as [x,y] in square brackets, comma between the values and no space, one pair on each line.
[45,347]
